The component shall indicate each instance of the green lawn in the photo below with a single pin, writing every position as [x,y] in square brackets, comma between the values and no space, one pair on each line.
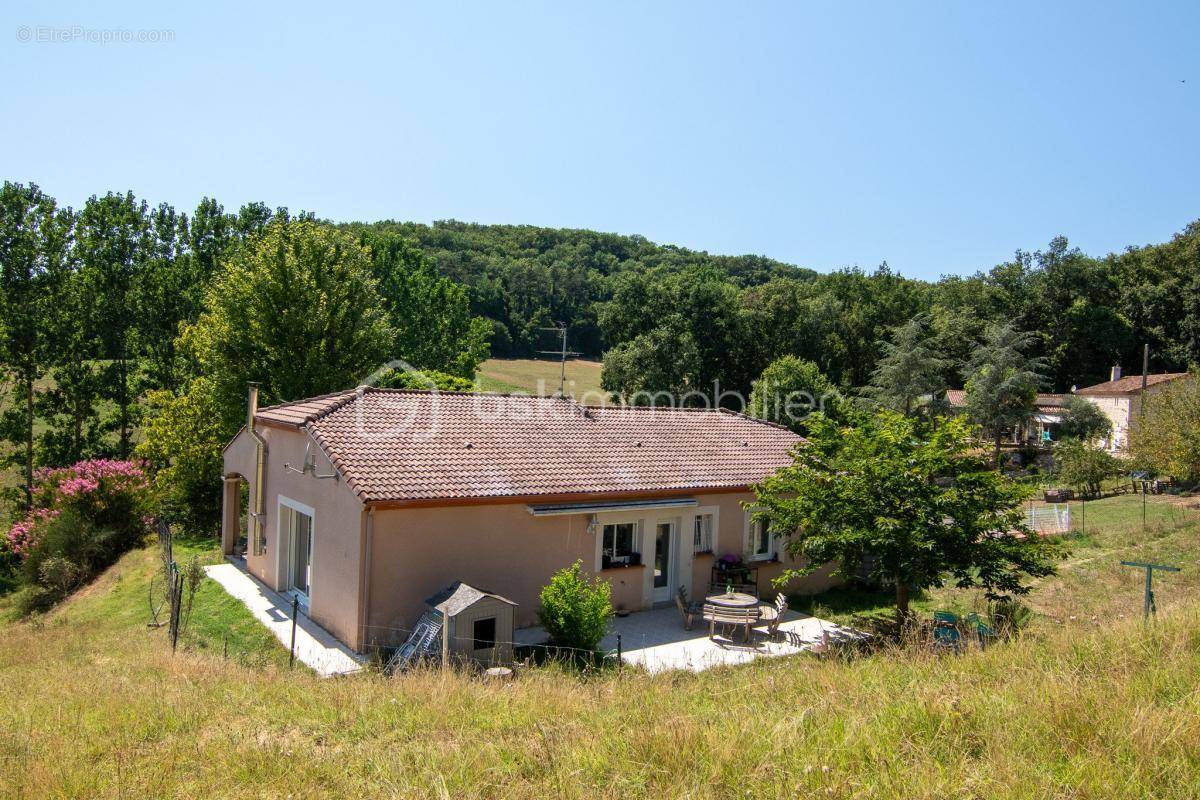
[536,375]
[1091,586]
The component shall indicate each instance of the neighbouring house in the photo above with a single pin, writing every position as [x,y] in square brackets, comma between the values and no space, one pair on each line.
[1120,398]
[1041,429]
[367,502]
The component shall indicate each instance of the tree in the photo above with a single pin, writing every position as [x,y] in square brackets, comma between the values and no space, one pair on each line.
[575,612]
[790,390]
[1083,420]
[74,430]
[295,309]
[1003,382]
[424,380]
[431,315]
[33,235]
[911,368]
[910,499]
[1083,466]
[658,368]
[182,439]
[164,290]
[1167,436]
[111,237]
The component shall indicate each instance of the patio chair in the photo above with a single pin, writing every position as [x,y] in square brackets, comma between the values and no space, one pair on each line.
[945,630]
[773,614]
[986,633]
[744,618]
[687,610]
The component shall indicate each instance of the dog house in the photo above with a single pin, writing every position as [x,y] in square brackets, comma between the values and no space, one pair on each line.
[477,626]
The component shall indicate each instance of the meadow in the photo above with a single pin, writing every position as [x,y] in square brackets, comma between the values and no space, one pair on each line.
[537,375]
[1087,703]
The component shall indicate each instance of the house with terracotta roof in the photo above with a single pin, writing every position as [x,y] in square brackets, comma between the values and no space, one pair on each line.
[1042,427]
[366,502]
[1121,397]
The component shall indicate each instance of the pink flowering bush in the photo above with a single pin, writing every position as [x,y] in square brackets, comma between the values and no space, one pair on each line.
[83,518]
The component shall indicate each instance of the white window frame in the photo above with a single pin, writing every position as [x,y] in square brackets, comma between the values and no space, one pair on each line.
[283,559]
[714,513]
[750,539]
[639,531]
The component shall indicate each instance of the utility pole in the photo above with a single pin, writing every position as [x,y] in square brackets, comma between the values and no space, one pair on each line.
[562,352]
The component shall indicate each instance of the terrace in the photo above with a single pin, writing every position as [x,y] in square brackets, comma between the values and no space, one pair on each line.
[657,640]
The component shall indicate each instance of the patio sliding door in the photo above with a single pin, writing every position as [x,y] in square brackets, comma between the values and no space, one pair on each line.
[296,532]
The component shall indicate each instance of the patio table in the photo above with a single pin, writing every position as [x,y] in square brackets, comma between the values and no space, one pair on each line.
[737,609]
[732,600]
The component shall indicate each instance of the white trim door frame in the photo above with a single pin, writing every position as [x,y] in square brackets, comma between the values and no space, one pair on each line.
[664,564]
[286,554]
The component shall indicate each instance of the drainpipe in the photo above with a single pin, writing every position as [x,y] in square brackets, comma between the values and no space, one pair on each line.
[364,609]
[260,459]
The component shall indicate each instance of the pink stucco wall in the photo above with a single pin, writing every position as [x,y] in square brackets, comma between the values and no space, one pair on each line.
[337,527]
[372,571]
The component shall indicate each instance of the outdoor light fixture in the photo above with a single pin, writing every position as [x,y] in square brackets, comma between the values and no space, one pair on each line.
[593,524]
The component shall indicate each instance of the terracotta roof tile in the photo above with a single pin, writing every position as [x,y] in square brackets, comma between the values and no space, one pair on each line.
[1130,384]
[406,445]
[957,398]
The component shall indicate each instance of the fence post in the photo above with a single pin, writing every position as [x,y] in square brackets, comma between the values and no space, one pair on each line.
[176,605]
[620,660]
[292,650]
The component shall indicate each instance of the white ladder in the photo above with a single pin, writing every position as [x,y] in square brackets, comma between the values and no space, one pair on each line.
[421,643]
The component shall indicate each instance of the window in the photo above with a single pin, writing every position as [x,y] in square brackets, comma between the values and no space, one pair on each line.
[619,545]
[760,540]
[702,538]
[484,633]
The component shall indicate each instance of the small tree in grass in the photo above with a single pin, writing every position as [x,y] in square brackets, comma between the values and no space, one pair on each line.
[575,612]
[915,498]
[1083,466]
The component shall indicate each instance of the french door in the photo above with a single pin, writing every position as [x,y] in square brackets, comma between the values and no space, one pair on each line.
[664,560]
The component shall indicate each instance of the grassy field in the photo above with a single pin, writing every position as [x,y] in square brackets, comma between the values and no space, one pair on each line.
[93,704]
[535,375]
[1091,586]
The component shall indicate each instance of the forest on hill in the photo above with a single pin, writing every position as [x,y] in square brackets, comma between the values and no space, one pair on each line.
[1087,312]
[128,325]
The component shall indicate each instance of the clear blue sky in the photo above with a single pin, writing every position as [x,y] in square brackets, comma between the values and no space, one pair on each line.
[937,136]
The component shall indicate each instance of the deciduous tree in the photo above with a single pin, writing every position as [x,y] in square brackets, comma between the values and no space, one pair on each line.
[790,390]
[912,500]
[33,238]
[296,309]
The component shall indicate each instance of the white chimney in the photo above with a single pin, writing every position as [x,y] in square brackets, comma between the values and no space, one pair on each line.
[1116,373]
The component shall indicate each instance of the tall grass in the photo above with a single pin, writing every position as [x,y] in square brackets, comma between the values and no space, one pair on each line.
[96,706]
[1107,714]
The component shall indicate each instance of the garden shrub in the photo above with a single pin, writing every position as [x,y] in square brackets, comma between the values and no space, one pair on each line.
[84,517]
[575,612]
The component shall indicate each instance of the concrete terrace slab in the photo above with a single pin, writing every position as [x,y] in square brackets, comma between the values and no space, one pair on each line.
[657,641]
[315,646]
